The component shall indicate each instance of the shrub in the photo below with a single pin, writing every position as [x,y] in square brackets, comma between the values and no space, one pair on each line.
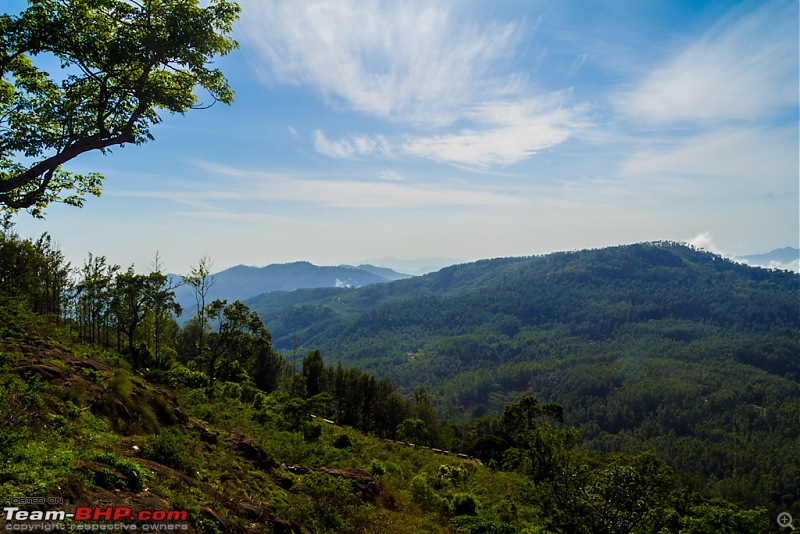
[464,504]
[232,390]
[376,468]
[168,449]
[426,496]
[259,401]
[182,376]
[136,476]
[342,441]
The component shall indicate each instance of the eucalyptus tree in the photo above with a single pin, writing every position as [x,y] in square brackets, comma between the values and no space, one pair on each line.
[136,295]
[201,281]
[94,296]
[162,312]
[123,62]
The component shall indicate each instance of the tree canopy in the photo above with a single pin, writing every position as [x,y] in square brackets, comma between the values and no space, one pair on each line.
[122,62]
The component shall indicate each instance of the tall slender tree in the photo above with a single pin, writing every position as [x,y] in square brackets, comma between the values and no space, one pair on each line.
[201,281]
[163,308]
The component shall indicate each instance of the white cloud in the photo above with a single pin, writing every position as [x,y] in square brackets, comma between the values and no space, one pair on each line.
[508,132]
[352,147]
[422,63]
[503,133]
[704,241]
[413,61]
[356,194]
[791,266]
[744,68]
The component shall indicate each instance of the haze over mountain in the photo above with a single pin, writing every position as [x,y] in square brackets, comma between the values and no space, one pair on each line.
[787,258]
[414,266]
[242,282]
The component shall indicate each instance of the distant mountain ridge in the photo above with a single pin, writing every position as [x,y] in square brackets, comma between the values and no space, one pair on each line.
[417,266]
[781,258]
[524,288]
[242,281]
[385,272]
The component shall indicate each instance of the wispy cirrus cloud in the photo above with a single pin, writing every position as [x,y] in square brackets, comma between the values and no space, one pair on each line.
[713,117]
[411,61]
[448,77]
[747,160]
[387,191]
[508,132]
[502,133]
[744,68]
[390,175]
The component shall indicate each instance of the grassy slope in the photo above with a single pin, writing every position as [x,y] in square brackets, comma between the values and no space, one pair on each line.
[72,418]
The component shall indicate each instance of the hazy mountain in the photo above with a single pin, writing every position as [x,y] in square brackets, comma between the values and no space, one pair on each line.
[242,282]
[787,258]
[385,272]
[413,266]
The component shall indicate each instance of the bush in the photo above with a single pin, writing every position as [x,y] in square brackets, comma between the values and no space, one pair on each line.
[376,468]
[135,476]
[259,401]
[232,390]
[426,496]
[342,441]
[182,376]
[464,504]
[168,449]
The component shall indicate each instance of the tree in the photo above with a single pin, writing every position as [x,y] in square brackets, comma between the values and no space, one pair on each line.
[236,342]
[130,306]
[413,430]
[200,280]
[539,449]
[135,295]
[314,373]
[34,270]
[94,295]
[162,308]
[123,62]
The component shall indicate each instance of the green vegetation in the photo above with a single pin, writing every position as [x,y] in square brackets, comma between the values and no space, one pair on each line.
[324,448]
[648,347]
[125,62]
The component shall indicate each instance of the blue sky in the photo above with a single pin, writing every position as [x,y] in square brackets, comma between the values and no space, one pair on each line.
[465,129]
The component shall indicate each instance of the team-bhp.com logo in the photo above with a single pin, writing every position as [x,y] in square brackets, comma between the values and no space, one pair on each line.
[89,518]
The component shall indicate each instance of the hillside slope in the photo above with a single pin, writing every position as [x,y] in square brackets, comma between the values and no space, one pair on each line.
[81,433]
[648,347]
[591,294]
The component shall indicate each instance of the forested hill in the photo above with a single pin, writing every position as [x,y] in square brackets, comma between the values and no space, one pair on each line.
[591,294]
[652,346]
